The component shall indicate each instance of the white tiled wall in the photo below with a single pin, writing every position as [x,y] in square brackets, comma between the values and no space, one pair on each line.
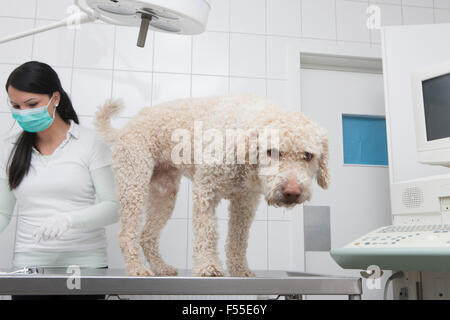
[242,50]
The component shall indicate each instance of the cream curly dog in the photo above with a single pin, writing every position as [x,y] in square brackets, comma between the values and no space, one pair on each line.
[147,166]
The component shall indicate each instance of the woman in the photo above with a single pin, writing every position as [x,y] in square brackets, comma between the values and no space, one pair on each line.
[53,171]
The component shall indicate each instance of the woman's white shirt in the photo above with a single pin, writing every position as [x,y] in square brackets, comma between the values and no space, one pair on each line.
[59,183]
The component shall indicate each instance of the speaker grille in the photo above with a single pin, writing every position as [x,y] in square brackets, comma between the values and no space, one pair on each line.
[412,197]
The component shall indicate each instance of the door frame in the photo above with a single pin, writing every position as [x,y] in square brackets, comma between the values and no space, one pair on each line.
[342,56]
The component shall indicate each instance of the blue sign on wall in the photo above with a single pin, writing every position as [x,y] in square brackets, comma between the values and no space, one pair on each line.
[365,140]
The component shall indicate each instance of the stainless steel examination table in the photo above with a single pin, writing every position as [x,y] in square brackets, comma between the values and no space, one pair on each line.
[292,285]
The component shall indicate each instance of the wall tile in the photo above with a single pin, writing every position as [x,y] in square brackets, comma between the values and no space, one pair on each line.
[248,16]
[416,15]
[5,71]
[284,17]
[205,86]
[172,53]
[172,251]
[222,209]
[169,87]
[279,244]
[219,16]
[247,55]
[442,15]
[116,122]
[421,3]
[390,16]
[277,51]
[398,2]
[261,211]
[279,214]
[51,9]
[247,85]
[257,244]
[19,9]
[94,46]
[319,19]
[182,204]
[90,88]
[17,51]
[135,88]
[8,127]
[442,4]
[351,21]
[54,47]
[128,56]
[211,53]
[277,91]
[65,76]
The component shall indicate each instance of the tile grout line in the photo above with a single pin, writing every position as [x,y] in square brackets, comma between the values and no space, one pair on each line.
[157,72]
[401,11]
[191,68]
[34,26]
[75,35]
[265,48]
[153,68]
[301,19]
[187,225]
[189,193]
[113,62]
[370,30]
[434,12]
[267,221]
[229,46]
[335,21]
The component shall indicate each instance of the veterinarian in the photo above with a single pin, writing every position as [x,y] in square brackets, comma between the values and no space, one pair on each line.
[53,171]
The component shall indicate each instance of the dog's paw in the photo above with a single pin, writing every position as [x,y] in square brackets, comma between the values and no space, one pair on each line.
[240,271]
[166,271]
[139,272]
[208,270]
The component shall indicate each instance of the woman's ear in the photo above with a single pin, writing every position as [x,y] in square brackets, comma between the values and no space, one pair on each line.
[57,98]
[323,176]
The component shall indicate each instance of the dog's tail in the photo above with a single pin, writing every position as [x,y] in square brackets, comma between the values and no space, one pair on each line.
[102,123]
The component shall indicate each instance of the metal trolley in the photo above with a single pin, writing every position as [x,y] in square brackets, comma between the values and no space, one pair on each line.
[114,282]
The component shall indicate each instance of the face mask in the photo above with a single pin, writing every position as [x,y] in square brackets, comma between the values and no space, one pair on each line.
[34,120]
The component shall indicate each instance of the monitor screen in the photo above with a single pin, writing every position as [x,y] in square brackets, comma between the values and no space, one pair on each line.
[436,102]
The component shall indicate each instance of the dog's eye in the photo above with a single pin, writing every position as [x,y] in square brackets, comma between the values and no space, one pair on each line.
[273,153]
[308,156]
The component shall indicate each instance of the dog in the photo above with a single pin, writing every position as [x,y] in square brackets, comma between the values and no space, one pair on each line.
[154,149]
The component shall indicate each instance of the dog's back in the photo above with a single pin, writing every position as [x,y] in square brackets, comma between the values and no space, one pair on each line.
[217,112]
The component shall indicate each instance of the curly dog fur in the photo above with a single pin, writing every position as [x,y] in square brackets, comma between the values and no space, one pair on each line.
[147,177]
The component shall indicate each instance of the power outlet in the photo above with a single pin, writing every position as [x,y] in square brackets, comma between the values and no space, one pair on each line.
[439,289]
[408,287]
[445,204]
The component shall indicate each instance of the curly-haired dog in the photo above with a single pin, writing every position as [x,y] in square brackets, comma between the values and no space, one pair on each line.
[147,176]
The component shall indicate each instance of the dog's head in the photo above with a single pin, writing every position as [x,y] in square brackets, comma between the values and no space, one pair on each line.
[292,151]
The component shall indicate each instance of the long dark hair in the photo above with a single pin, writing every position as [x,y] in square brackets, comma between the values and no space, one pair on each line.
[34,77]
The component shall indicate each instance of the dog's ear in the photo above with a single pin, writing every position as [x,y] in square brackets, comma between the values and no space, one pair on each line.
[323,176]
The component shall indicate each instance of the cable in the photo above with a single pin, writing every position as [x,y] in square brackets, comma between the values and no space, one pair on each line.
[394,276]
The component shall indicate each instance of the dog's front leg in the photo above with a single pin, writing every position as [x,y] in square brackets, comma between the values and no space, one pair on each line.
[242,211]
[206,258]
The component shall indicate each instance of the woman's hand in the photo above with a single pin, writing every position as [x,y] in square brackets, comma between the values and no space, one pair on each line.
[53,227]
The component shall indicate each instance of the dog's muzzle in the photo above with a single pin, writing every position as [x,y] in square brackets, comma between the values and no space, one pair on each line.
[291,193]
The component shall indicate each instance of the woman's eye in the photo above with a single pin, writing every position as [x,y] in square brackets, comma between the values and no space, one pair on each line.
[273,153]
[307,156]
[15,106]
[32,105]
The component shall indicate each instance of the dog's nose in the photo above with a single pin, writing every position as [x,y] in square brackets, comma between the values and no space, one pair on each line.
[291,192]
